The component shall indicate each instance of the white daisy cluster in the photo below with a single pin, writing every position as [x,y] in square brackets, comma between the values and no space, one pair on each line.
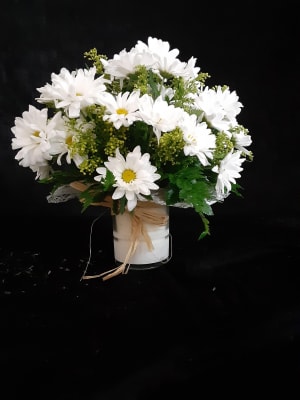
[128,126]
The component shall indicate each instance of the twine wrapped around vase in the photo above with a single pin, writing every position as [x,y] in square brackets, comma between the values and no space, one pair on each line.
[145,212]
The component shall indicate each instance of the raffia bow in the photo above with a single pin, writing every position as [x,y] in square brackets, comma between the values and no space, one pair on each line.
[142,215]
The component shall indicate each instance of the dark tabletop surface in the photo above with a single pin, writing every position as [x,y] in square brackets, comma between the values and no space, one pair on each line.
[224,313]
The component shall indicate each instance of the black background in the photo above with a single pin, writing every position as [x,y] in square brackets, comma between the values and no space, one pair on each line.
[224,313]
[251,48]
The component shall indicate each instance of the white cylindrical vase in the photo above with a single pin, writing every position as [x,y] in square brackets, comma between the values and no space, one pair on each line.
[141,238]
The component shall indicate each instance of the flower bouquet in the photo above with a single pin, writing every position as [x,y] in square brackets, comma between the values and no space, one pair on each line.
[141,127]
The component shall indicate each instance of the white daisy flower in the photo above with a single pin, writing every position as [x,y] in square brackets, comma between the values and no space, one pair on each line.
[199,140]
[159,114]
[157,47]
[228,170]
[134,176]
[125,63]
[32,134]
[177,68]
[220,107]
[62,141]
[166,59]
[166,93]
[73,91]
[42,171]
[241,141]
[121,110]
[102,174]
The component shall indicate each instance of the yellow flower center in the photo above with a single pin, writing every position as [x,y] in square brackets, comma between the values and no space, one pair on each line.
[122,111]
[69,140]
[128,175]
[36,133]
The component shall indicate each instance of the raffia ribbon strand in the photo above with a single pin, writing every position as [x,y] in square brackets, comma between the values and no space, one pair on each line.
[141,215]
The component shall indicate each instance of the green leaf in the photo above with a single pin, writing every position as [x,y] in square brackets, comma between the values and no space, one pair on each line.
[190,186]
[206,230]
[108,181]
